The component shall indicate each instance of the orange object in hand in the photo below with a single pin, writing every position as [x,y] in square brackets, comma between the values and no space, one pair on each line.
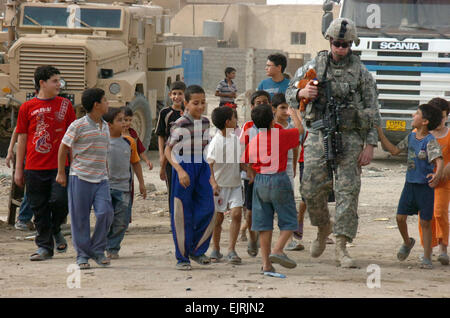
[309,76]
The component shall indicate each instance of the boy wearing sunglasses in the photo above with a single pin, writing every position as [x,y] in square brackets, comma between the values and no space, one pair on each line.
[354,91]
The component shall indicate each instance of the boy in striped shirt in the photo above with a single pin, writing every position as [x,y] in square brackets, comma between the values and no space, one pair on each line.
[191,198]
[87,140]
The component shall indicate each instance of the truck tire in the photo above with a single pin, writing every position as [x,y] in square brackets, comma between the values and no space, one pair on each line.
[4,145]
[142,118]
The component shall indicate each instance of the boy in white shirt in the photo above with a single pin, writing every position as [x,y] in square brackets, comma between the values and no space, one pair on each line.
[223,157]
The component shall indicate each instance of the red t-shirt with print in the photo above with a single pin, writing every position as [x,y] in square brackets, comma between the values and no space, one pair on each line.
[248,132]
[44,121]
[265,152]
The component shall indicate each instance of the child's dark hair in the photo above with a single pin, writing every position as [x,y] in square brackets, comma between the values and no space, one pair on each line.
[90,97]
[193,89]
[220,115]
[262,116]
[43,73]
[127,111]
[278,59]
[257,94]
[112,114]
[178,85]
[432,114]
[229,70]
[440,103]
[278,99]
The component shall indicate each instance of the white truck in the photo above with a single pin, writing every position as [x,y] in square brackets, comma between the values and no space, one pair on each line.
[405,44]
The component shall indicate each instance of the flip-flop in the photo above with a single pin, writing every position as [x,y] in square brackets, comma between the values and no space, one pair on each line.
[426,264]
[283,260]
[233,258]
[298,233]
[216,256]
[443,259]
[243,237]
[102,260]
[202,259]
[404,250]
[82,263]
[184,266]
[112,255]
[252,248]
[40,255]
[60,241]
[272,273]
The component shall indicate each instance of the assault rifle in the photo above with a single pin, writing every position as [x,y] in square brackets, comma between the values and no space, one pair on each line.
[329,125]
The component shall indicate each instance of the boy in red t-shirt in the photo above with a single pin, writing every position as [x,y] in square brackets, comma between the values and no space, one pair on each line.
[248,132]
[272,189]
[41,125]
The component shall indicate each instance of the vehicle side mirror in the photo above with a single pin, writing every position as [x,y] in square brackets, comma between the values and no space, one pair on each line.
[327,18]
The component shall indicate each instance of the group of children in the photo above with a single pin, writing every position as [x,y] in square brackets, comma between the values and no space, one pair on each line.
[206,180]
[73,164]
[268,147]
[427,188]
[94,158]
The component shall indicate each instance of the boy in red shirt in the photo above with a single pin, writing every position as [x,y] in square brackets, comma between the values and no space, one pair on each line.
[272,189]
[248,132]
[41,125]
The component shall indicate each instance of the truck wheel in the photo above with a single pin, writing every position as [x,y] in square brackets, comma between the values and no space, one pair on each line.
[4,144]
[142,118]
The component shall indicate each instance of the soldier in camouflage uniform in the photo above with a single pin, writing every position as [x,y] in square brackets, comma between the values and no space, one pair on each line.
[354,90]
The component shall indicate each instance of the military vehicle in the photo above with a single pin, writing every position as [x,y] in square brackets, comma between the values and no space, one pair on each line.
[113,45]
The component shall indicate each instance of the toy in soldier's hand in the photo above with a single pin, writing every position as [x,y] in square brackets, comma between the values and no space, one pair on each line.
[310,75]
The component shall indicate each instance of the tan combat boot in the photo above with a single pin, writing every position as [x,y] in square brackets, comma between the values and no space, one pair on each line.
[342,256]
[319,244]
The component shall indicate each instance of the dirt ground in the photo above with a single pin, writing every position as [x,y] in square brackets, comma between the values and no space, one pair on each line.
[146,267]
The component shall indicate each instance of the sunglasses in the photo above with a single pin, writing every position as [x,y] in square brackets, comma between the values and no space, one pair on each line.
[344,45]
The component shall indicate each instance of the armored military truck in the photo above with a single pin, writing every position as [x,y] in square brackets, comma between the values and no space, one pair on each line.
[116,46]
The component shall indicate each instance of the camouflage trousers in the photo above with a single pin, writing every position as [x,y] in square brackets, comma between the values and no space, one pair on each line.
[316,186]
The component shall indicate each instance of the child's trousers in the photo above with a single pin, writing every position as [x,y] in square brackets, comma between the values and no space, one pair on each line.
[192,211]
[48,201]
[439,223]
[82,196]
[121,204]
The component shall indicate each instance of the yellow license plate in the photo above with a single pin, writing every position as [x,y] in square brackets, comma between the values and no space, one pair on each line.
[398,125]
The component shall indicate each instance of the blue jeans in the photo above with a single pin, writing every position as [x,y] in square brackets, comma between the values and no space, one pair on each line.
[120,202]
[273,192]
[25,212]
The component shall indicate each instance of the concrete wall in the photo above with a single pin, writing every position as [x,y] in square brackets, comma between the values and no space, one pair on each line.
[271,26]
[215,60]
[192,42]
[259,26]
[172,5]
[189,21]
[223,1]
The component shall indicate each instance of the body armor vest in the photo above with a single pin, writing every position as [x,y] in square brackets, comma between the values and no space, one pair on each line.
[345,88]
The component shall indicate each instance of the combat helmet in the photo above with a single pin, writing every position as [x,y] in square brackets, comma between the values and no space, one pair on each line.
[342,29]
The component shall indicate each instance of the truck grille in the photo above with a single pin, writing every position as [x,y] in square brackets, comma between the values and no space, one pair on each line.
[71,62]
